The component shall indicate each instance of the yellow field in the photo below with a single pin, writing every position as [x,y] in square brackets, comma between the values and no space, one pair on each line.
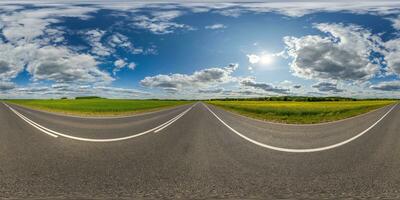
[97,107]
[301,112]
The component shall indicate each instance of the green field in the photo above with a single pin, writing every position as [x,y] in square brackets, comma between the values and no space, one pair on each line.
[97,107]
[300,112]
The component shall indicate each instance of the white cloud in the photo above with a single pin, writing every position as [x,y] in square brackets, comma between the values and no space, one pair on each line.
[298,9]
[115,90]
[223,93]
[211,91]
[327,87]
[396,22]
[297,86]
[160,22]
[253,59]
[118,40]
[26,25]
[387,86]
[13,59]
[5,86]
[120,63]
[29,37]
[203,78]
[132,65]
[94,37]
[263,86]
[60,64]
[286,83]
[231,11]
[392,57]
[342,55]
[263,61]
[215,26]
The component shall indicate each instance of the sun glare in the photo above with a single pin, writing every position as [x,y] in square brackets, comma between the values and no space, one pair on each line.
[266,59]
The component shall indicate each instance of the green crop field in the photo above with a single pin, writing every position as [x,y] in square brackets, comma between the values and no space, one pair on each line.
[301,112]
[97,107]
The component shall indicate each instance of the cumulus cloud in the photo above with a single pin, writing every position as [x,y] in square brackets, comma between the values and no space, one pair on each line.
[125,91]
[327,87]
[120,63]
[7,70]
[297,86]
[253,59]
[13,59]
[118,40]
[24,26]
[4,86]
[392,57]
[211,91]
[202,78]
[263,86]
[160,22]
[223,93]
[342,55]
[60,64]
[94,37]
[387,86]
[396,23]
[29,43]
[215,26]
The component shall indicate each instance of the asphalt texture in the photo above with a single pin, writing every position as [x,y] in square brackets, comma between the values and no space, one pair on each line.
[197,157]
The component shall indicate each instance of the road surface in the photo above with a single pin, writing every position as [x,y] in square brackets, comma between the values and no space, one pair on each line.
[197,151]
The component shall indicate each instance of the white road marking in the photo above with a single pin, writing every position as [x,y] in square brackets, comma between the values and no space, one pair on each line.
[32,123]
[172,121]
[301,150]
[56,134]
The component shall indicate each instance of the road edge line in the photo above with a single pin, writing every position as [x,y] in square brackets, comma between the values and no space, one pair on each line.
[289,150]
[55,133]
[30,122]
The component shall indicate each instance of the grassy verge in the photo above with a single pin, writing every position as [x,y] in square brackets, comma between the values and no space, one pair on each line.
[97,107]
[300,112]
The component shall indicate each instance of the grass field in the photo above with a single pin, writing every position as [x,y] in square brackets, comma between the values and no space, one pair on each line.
[300,112]
[97,107]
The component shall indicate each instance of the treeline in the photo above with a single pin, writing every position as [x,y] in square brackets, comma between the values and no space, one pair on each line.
[97,97]
[294,98]
[89,97]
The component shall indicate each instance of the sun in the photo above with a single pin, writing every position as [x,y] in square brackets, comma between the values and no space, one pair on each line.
[266,59]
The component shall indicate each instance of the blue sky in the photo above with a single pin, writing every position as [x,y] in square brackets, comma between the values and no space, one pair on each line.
[199,50]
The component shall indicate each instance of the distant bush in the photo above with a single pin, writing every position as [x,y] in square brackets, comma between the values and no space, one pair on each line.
[64,98]
[89,97]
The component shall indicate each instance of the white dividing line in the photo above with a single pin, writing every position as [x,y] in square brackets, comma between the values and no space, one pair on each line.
[56,134]
[171,121]
[301,150]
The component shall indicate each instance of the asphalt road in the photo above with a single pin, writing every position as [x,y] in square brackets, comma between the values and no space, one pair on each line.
[203,153]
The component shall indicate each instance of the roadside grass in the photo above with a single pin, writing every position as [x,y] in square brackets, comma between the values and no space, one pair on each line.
[301,112]
[97,107]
